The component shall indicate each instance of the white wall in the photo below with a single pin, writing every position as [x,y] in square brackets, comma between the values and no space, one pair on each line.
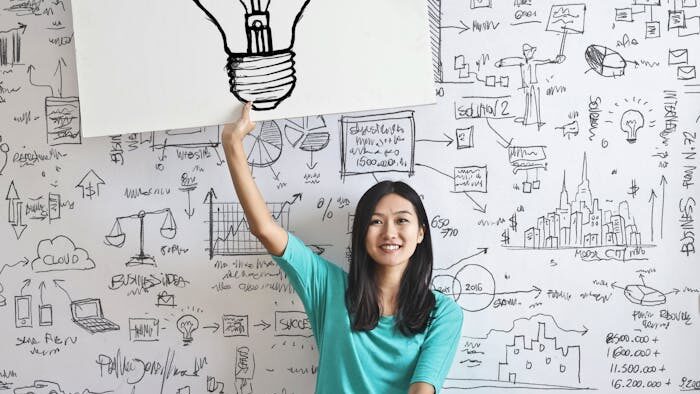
[594,316]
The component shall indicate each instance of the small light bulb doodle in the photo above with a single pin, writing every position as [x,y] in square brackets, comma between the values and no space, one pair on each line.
[187,324]
[630,123]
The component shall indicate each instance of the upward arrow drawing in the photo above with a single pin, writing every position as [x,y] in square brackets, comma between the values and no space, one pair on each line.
[663,201]
[90,180]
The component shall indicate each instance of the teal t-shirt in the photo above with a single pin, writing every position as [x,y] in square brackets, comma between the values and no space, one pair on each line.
[382,360]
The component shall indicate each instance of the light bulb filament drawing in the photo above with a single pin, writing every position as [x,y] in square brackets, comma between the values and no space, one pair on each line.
[260,57]
[117,237]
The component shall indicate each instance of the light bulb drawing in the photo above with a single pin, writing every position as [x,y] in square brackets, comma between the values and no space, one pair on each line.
[258,38]
[187,324]
[116,237]
[630,123]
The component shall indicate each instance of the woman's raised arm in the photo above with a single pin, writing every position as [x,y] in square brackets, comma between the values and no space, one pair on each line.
[271,234]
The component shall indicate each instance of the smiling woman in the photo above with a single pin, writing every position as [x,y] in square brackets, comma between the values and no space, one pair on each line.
[379,328]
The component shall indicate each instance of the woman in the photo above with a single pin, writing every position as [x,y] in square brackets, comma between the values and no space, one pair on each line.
[379,328]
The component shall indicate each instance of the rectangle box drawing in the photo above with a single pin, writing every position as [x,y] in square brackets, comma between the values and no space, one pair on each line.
[377,143]
[470,179]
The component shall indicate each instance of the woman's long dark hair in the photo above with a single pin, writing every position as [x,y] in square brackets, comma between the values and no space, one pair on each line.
[415,299]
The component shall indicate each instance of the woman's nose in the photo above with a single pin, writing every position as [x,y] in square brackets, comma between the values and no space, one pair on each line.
[389,230]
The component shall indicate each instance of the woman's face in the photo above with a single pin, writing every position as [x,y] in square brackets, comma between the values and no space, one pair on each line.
[394,232]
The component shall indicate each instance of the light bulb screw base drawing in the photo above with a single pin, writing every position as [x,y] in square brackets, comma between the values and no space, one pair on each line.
[265,79]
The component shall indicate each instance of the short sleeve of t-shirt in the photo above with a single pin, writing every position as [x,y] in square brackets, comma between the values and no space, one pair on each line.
[309,275]
[440,345]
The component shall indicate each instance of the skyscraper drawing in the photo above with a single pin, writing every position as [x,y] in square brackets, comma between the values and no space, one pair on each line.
[581,223]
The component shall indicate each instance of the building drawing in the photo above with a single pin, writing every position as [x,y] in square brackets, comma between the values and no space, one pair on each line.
[543,357]
[581,223]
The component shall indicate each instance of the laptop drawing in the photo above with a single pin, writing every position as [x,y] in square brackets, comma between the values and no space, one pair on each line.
[87,313]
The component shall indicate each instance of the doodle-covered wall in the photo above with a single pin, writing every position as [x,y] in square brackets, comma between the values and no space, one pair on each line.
[558,168]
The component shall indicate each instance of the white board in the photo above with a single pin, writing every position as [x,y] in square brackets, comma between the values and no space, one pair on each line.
[166,65]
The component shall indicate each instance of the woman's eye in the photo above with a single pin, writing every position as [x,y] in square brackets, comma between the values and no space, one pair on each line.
[402,220]
[375,221]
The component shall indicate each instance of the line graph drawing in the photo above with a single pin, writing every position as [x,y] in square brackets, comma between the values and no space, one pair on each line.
[229,231]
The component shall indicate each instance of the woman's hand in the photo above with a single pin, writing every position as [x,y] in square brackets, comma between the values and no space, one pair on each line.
[236,131]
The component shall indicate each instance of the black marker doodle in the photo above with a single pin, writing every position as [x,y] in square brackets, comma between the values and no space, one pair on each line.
[377,143]
[60,254]
[187,324]
[569,130]
[15,210]
[90,184]
[264,146]
[605,61]
[529,159]
[529,83]
[465,180]
[214,386]
[87,314]
[308,134]
[235,326]
[62,113]
[292,324]
[566,19]
[40,387]
[116,237]
[11,45]
[229,233]
[165,299]
[537,357]
[652,27]
[244,370]
[684,25]
[144,329]
[4,154]
[643,295]
[633,119]
[262,73]
[581,223]
[189,144]
[23,311]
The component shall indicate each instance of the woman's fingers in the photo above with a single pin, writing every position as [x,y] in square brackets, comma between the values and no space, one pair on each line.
[245,111]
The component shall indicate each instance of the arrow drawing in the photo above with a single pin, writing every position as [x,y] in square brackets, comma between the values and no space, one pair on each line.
[56,282]
[461,261]
[26,283]
[449,140]
[461,29]
[59,71]
[215,326]
[265,325]
[189,211]
[90,184]
[652,199]
[29,71]
[15,210]
[663,202]
[478,208]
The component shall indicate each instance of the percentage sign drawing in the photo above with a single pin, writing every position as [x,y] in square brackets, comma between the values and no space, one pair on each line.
[327,213]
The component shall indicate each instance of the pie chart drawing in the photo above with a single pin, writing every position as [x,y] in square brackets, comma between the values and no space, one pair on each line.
[303,133]
[264,144]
